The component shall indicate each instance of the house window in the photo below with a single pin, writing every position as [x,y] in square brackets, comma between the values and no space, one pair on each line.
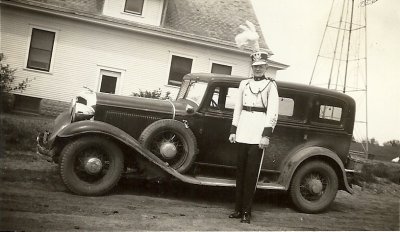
[109,81]
[221,69]
[180,66]
[41,49]
[134,6]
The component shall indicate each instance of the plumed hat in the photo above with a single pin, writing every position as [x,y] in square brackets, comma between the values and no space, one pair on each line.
[249,37]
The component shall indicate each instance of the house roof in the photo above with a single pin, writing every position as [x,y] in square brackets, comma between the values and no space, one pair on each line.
[213,18]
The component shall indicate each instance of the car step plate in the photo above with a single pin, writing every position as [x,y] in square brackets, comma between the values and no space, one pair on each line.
[204,180]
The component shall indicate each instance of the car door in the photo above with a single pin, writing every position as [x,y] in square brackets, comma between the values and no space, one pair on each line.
[217,119]
[291,129]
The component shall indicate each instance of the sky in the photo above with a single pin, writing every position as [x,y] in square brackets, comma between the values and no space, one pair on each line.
[294,30]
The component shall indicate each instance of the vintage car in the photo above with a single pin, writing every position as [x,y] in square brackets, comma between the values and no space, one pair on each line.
[105,136]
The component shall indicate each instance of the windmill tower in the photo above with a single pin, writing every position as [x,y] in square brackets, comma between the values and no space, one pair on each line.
[341,63]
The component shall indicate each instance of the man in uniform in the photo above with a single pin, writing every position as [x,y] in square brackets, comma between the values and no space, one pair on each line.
[254,118]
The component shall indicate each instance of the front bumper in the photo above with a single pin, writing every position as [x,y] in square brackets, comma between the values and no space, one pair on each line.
[42,149]
[45,141]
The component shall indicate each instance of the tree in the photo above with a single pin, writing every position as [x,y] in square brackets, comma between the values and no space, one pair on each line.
[7,78]
[371,141]
[393,143]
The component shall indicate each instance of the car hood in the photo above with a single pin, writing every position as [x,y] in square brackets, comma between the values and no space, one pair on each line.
[140,103]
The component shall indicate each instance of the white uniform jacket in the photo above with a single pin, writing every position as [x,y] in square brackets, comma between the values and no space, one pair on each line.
[249,125]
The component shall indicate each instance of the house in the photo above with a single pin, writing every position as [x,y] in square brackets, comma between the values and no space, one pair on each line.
[120,46]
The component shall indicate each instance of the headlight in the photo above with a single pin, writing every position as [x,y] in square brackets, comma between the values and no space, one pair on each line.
[83,106]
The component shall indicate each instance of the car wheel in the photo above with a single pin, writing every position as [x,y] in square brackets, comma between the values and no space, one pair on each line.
[91,165]
[314,187]
[172,142]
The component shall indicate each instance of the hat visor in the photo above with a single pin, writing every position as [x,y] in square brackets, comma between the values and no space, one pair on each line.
[259,63]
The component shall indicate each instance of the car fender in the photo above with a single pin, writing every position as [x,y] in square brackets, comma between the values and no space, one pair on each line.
[298,157]
[98,127]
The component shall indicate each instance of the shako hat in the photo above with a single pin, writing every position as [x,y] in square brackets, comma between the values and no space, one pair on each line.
[259,58]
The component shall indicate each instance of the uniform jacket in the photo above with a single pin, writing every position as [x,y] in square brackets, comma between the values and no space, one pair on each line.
[250,126]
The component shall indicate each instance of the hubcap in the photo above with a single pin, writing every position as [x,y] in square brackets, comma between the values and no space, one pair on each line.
[93,165]
[315,185]
[168,150]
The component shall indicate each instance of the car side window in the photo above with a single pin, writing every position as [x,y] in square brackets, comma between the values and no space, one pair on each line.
[328,111]
[292,105]
[286,106]
[223,98]
[231,97]
[215,98]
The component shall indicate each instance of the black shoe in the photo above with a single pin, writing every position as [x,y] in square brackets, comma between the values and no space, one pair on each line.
[245,218]
[235,214]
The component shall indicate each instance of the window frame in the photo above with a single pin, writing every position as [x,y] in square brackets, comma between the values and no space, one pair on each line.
[170,65]
[226,112]
[120,79]
[291,93]
[327,100]
[124,10]
[53,52]
[212,64]
[220,62]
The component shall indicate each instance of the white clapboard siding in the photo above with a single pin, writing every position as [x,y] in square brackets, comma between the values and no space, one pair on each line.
[151,14]
[82,48]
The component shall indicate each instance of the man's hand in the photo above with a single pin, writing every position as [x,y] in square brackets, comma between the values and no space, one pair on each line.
[232,138]
[264,142]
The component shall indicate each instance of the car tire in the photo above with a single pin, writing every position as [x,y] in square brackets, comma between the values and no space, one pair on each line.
[314,187]
[91,165]
[172,142]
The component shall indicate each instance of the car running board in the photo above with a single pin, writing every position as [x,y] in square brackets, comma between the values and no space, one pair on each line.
[210,181]
[199,180]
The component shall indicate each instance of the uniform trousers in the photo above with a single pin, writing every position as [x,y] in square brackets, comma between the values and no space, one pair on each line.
[248,168]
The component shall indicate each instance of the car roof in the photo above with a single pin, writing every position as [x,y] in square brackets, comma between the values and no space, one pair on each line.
[212,77]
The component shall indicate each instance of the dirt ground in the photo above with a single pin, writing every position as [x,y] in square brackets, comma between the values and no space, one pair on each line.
[32,197]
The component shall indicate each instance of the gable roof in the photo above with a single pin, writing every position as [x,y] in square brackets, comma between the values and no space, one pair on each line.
[213,18]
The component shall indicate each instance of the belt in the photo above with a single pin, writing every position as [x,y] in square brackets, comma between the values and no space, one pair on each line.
[256,109]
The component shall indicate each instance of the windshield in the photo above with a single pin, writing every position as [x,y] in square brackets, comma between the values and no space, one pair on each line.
[193,91]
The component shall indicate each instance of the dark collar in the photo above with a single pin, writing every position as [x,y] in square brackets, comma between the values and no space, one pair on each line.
[259,78]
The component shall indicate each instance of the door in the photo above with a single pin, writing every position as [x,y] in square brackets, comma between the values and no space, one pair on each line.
[218,113]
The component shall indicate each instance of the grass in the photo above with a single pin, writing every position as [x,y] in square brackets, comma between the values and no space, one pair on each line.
[20,131]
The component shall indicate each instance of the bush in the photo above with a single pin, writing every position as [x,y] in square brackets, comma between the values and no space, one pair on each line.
[20,131]
[370,171]
[157,94]
[7,78]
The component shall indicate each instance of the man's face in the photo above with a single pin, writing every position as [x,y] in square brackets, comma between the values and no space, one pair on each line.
[259,70]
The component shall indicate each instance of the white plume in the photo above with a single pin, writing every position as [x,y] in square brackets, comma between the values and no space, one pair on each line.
[248,36]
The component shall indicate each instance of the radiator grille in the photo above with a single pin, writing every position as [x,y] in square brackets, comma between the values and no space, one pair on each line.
[131,123]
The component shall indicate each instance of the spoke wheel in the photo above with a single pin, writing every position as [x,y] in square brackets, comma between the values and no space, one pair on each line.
[172,142]
[314,187]
[91,165]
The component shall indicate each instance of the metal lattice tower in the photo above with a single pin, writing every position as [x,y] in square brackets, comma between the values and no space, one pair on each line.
[341,62]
